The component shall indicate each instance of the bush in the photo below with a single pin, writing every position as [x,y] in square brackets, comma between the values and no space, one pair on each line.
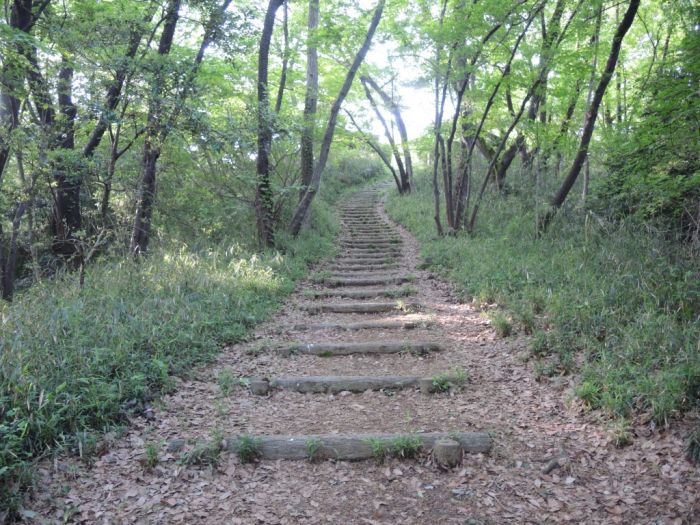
[627,300]
[78,361]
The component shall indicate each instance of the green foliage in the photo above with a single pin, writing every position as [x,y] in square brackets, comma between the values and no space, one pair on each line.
[379,447]
[407,447]
[623,302]
[313,447]
[248,448]
[205,453]
[692,445]
[150,458]
[74,360]
[656,165]
[443,382]
[501,324]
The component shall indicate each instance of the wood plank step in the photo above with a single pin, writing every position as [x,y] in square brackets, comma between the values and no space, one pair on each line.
[353,447]
[357,308]
[333,384]
[367,347]
[368,281]
[366,325]
[365,294]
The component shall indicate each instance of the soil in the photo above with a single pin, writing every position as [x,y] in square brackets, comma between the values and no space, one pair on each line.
[553,461]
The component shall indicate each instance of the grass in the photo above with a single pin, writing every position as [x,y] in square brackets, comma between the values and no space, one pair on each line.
[313,447]
[248,448]
[406,447]
[75,362]
[446,380]
[617,303]
[151,457]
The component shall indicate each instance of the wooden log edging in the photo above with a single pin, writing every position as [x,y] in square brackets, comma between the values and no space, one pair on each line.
[364,294]
[369,325]
[336,384]
[349,447]
[358,308]
[370,347]
[373,281]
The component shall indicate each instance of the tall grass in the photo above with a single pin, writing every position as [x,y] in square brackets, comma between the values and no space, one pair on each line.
[615,302]
[77,361]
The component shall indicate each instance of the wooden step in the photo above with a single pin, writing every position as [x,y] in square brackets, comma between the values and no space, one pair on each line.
[332,384]
[366,325]
[367,281]
[349,447]
[367,347]
[358,308]
[364,294]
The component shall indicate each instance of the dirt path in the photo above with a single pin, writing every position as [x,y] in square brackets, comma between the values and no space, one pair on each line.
[518,481]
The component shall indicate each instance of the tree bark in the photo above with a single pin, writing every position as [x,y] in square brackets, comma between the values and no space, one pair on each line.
[305,204]
[460,204]
[396,111]
[387,133]
[595,40]
[310,102]
[264,206]
[159,125]
[285,59]
[560,196]
[141,231]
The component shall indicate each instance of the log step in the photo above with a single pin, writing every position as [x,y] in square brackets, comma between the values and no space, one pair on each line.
[368,325]
[358,308]
[368,281]
[332,384]
[356,447]
[375,347]
[364,294]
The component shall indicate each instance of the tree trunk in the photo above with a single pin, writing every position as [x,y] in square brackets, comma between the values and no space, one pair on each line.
[141,231]
[285,59]
[159,125]
[66,218]
[264,206]
[394,108]
[460,204]
[595,41]
[559,198]
[387,133]
[305,204]
[310,102]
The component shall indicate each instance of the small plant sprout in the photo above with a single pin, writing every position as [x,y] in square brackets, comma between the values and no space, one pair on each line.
[150,458]
[248,448]
[443,382]
[407,447]
[501,324]
[226,381]
[379,448]
[313,447]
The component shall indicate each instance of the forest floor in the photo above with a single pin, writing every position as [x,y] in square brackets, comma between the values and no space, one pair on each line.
[552,461]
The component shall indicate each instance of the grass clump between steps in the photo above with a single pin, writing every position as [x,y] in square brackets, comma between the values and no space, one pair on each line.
[616,302]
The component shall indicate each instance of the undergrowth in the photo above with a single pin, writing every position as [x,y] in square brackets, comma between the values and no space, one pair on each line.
[616,302]
[76,362]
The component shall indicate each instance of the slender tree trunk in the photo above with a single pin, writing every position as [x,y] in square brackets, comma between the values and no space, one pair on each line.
[285,59]
[305,204]
[595,41]
[310,101]
[67,216]
[395,110]
[141,231]
[560,196]
[159,125]
[8,261]
[264,206]
[460,204]
[403,176]
[378,150]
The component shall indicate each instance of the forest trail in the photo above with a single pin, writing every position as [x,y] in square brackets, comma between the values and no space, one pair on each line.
[374,313]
